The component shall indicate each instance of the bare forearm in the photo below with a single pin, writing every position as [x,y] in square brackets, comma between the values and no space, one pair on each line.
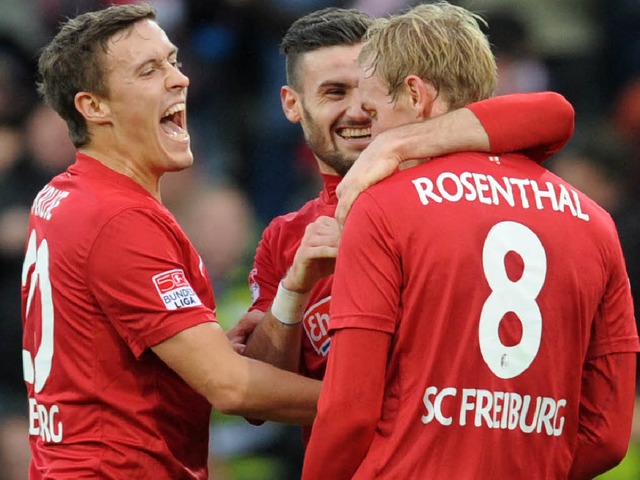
[264,392]
[238,385]
[457,130]
[275,343]
[397,148]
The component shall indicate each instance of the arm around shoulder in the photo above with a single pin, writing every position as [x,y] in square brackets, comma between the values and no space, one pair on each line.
[540,123]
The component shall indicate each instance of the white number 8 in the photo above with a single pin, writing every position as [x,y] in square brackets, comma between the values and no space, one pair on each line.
[37,370]
[506,296]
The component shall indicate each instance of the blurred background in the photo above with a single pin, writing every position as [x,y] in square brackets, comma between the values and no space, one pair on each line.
[251,163]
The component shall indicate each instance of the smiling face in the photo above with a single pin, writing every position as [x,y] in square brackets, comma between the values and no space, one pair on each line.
[328,107]
[144,129]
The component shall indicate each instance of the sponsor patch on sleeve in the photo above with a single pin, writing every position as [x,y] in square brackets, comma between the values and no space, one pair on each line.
[254,286]
[175,290]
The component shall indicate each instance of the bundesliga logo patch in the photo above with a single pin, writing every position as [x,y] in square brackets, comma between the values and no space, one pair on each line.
[316,325]
[175,290]
[253,284]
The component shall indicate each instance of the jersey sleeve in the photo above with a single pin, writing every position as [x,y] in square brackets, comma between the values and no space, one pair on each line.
[367,279]
[142,280]
[536,124]
[606,414]
[265,275]
[614,328]
[364,308]
[354,380]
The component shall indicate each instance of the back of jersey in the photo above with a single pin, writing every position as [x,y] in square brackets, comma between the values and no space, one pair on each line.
[499,281]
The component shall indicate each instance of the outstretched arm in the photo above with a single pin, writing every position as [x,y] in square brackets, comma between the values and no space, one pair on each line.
[538,124]
[234,384]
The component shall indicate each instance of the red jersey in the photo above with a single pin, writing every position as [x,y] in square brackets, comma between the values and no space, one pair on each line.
[283,235]
[108,273]
[274,256]
[495,280]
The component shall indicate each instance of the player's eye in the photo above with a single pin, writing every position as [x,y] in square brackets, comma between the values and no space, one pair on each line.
[335,93]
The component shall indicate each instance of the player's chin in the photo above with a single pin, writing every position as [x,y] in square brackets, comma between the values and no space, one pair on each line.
[178,161]
[184,161]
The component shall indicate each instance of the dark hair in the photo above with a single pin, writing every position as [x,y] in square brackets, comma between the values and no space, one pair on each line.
[74,61]
[323,28]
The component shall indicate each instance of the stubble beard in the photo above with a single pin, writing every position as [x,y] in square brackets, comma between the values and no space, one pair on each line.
[325,150]
[337,161]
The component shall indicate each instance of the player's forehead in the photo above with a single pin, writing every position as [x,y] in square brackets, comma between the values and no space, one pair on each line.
[143,41]
[371,85]
[335,64]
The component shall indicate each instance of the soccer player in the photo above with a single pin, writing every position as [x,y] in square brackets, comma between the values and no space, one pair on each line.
[122,354]
[481,321]
[296,253]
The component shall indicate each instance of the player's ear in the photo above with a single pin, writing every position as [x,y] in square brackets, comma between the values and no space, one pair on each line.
[291,104]
[92,107]
[421,95]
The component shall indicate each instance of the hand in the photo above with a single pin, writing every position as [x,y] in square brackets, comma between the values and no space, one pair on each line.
[379,160]
[241,331]
[316,255]
[397,148]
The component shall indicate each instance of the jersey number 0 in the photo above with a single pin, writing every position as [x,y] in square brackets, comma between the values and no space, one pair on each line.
[37,369]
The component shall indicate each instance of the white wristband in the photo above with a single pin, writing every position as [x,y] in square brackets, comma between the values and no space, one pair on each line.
[288,307]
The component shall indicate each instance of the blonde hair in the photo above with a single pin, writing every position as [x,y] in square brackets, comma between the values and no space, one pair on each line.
[440,43]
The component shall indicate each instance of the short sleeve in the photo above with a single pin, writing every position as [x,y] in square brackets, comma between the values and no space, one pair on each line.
[368,278]
[614,328]
[141,271]
[264,276]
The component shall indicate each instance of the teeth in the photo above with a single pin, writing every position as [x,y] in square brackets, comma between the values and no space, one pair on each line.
[172,124]
[179,107]
[179,135]
[355,132]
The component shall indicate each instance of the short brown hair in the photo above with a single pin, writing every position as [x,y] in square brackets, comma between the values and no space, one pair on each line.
[440,43]
[328,27]
[74,61]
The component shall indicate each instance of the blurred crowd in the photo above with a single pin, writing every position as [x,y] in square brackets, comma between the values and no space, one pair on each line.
[251,163]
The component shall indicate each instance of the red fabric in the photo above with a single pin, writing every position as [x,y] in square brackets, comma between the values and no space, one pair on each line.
[282,237]
[606,414]
[356,372]
[543,119]
[496,280]
[274,256]
[109,407]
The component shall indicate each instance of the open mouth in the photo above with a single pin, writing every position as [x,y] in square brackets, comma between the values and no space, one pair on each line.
[173,122]
[352,133]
